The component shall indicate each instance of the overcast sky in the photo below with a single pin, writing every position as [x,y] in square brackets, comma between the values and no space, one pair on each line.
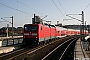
[56,10]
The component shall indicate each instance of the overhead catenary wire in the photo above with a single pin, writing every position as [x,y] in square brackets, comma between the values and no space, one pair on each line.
[58,9]
[29,7]
[15,9]
[86,7]
[6,20]
[62,6]
[17,4]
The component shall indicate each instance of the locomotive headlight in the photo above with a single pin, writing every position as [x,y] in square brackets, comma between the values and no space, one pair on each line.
[34,34]
[26,33]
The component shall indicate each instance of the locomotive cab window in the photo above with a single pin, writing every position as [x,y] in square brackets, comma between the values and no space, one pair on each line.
[27,28]
[30,28]
[34,28]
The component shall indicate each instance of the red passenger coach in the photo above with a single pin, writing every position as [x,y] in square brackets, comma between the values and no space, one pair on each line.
[58,32]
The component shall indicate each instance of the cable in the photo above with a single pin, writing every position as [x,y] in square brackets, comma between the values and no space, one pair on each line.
[86,7]
[6,20]
[58,9]
[15,9]
[61,6]
[28,6]
[17,4]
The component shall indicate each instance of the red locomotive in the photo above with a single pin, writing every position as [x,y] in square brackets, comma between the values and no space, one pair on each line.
[37,33]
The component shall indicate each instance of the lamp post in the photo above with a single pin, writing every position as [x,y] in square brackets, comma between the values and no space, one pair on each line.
[82,26]
[12,25]
[9,22]
[7,29]
[85,27]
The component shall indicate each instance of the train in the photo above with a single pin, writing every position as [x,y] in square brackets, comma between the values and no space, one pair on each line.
[37,33]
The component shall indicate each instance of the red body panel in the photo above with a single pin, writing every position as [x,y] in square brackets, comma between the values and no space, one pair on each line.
[43,31]
[63,32]
[67,32]
[52,32]
[58,32]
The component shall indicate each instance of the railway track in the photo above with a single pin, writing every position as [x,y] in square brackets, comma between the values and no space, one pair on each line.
[62,52]
[36,53]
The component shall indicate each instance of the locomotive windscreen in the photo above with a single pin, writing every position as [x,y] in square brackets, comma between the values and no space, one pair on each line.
[30,28]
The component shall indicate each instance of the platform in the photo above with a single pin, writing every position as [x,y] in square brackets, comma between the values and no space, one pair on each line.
[10,37]
[6,49]
[88,51]
[79,51]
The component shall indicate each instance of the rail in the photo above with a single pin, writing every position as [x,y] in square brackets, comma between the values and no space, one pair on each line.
[66,50]
[56,49]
